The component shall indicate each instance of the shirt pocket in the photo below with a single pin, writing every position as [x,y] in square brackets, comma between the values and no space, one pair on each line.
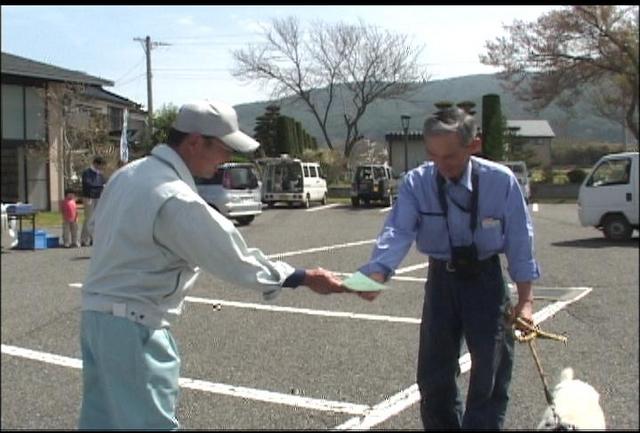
[433,234]
[488,236]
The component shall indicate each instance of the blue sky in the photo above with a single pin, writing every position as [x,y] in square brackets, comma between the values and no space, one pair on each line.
[99,40]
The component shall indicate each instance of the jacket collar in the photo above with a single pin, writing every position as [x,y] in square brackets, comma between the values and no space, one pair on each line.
[171,157]
[465,179]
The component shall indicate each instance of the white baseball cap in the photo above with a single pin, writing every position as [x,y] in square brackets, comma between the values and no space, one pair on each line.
[214,119]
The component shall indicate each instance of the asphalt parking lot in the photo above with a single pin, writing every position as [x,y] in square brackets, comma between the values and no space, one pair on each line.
[305,361]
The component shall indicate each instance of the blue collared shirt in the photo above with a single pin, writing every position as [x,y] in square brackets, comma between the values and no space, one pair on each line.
[503,226]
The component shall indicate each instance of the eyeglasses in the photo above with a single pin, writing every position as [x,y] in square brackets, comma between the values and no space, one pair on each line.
[215,140]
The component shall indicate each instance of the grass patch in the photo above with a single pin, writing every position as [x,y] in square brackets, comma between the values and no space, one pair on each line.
[54,219]
[554,200]
[558,175]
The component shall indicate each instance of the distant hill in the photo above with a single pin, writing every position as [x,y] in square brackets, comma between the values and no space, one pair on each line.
[383,116]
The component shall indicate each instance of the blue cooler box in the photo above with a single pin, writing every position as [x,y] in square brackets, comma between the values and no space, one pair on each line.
[53,241]
[26,240]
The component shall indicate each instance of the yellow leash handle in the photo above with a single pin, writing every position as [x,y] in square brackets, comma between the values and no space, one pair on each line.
[534,331]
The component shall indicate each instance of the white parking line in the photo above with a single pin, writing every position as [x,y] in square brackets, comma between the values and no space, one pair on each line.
[412,268]
[366,416]
[307,311]
[310,312]
[397,278]
[212,387]
[318,249]
[410,396]
[49,358]
[326,206]
[535,207]
[386,209]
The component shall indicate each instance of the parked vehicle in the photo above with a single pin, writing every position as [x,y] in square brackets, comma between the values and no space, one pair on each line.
[519,169]
[608,196]
[234,191]
[373,182]
[291,180]
[8,228]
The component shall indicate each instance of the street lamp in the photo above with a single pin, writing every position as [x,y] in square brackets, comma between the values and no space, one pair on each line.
[405,118]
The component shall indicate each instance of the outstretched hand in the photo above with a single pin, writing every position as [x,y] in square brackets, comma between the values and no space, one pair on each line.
[322,281]
[369,296]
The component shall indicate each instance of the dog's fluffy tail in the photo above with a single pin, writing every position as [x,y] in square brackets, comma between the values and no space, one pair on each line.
[567,374]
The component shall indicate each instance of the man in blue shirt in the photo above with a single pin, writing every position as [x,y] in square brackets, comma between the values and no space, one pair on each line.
[462,211]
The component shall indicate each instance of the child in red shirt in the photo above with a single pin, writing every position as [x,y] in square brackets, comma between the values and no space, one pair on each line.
[69,212]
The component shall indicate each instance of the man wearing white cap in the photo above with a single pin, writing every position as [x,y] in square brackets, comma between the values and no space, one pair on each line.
[153,235]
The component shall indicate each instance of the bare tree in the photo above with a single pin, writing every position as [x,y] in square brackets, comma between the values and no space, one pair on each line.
[610,99]
[568,48]
[84,130]
[361,60]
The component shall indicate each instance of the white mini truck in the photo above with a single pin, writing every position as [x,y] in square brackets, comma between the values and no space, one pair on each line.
[608,197]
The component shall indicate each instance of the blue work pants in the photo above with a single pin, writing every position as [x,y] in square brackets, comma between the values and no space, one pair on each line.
[130,375]
[474,308]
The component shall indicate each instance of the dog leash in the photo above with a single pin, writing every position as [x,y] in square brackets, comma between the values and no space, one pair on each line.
[534,331]
[531,333]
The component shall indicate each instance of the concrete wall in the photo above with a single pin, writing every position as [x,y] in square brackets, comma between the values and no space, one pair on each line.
[416,154]
[550,191]
[541,148]
[538,191]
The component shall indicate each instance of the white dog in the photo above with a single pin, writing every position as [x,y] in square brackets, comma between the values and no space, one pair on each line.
[576,404]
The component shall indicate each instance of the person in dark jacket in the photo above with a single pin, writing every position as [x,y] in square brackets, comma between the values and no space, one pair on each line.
[92,183]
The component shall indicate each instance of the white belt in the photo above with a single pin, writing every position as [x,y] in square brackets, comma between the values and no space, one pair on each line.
[132,311]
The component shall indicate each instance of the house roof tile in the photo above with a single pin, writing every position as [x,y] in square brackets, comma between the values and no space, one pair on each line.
[15,65]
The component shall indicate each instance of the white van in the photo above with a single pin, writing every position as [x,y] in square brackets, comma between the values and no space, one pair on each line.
[290,180]
[608,197]
[519,169]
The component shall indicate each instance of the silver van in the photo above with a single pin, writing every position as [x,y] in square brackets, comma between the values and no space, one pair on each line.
[234,191]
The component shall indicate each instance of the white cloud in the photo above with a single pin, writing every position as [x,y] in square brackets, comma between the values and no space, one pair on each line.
[251,25]
[185,21]
[193,27]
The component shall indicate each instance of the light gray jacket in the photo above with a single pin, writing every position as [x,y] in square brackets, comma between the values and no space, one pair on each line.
[153,233]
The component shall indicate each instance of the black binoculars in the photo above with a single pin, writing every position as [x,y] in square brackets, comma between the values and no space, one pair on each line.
[464,260]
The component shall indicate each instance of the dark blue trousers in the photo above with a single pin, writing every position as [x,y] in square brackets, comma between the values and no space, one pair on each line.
[474,309]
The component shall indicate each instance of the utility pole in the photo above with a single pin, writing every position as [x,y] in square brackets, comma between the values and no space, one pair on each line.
[147,46]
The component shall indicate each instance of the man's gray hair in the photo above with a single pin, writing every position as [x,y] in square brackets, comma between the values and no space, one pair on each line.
[451,120]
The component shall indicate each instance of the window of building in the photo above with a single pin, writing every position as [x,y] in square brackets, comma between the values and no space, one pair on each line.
[12,112]
[115,118]
[34,104]
[23,116]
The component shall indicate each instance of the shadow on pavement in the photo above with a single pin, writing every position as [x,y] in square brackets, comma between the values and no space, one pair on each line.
[597,243]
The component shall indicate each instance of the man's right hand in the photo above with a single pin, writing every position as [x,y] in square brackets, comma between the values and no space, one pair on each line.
[322,281]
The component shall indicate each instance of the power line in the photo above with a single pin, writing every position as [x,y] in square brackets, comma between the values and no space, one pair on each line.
[216,43]
[130,70]
[191,69]
[211,37]
[131,80]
